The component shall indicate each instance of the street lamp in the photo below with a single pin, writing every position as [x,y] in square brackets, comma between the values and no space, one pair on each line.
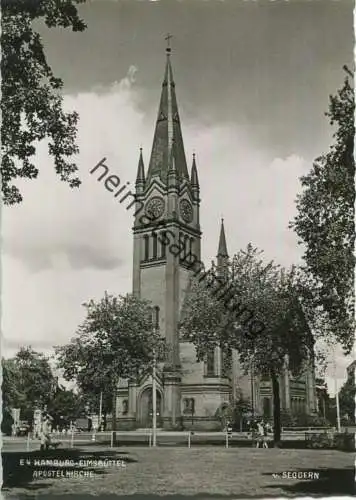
[252,391]
[155,324]
[336,393]
[100,410]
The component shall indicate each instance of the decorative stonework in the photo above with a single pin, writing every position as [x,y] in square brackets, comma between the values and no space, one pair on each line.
[155,207]
[186,211]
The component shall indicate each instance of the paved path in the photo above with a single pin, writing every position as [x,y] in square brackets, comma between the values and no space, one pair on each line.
[164,438]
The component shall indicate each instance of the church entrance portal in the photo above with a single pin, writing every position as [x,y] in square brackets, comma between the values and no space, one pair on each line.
[145,407]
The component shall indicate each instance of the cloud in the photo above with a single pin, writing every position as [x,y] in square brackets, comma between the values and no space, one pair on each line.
[336,365]
[64,246]
[126,83]
[252,191]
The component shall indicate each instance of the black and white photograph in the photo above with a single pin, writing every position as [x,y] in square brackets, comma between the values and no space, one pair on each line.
[178,230]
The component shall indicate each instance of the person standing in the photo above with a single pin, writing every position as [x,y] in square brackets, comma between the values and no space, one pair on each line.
[45,434]
[254,432]
[265,434]
[260,435]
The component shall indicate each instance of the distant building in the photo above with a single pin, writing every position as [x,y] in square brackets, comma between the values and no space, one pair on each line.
[168,207]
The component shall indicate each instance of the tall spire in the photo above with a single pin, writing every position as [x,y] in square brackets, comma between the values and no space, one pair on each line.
[222,257]
[194,174]
[222,250]
[168,132]
[140,178]
[194,182]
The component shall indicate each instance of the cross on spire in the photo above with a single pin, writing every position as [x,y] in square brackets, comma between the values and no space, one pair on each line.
[168,40]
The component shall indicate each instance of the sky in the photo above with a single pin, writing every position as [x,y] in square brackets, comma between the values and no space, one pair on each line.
[253,81]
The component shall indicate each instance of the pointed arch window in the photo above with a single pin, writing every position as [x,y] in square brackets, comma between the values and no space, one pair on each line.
[155,317]
[226,363]
[186,246]
[146,243]
[163,244]
[181,246]
[210,363]
[155,246]
[189,406]
[267,407]
[191,243]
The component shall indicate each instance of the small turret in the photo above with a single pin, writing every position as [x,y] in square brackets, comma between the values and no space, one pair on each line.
[140,178]
[194,182]
[222,256]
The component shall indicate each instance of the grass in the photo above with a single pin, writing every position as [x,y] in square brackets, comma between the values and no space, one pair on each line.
[205,473]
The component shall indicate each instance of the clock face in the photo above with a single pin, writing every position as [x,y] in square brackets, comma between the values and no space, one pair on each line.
[155,207]
[186,211]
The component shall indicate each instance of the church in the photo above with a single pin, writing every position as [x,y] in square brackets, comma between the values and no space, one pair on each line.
[190,394]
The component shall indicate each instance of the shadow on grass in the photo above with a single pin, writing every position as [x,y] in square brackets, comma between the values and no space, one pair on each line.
[142,496]
[19,467]
[331,482]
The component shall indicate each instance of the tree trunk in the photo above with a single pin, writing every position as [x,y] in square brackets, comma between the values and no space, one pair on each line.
[104,421]
[276,410]
[114,414]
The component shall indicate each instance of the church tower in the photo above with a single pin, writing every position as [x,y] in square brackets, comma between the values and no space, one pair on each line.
[166,236]
[166,229]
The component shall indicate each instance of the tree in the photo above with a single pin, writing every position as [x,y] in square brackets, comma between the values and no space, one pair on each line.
[65,406]
[10,395]
[325,221]
[10,378]
[116,340]
[347,400]
[256,313]
[28,382]
[31,105]
[323,398]
[242,412]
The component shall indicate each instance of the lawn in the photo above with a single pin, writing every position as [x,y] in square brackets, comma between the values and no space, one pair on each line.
[200,473]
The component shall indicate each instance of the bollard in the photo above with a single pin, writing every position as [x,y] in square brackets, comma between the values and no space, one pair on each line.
[72,439]
[189,440]
[28,442]
[227,441]
[150,439]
